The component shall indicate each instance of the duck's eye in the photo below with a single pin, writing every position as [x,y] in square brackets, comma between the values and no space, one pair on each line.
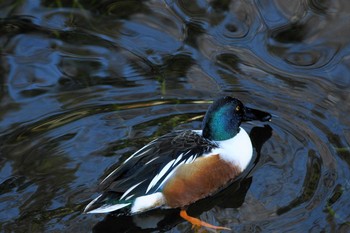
[238,108]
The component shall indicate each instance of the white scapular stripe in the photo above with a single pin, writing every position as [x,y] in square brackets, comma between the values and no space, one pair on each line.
[168,176]
[160,175]
[189,160]
[133,155]
[104,208]
[151,160]
[130,189]
[178,158]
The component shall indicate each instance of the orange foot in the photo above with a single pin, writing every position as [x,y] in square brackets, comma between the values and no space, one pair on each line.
[198,223]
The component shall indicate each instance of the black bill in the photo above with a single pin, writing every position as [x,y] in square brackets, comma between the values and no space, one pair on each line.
[251,114]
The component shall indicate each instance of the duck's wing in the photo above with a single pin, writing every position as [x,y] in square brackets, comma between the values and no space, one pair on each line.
[146,171]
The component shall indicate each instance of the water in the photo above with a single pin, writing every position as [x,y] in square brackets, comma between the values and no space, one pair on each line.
[86,83]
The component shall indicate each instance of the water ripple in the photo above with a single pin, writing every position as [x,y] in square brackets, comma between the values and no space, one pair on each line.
[86,83]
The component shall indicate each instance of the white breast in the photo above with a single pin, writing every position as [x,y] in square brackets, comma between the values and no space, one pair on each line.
[237,150]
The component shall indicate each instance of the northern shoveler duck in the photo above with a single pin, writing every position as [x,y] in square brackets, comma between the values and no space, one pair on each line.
[182,167]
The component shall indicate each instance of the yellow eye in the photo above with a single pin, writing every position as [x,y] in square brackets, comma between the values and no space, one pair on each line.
[238,108]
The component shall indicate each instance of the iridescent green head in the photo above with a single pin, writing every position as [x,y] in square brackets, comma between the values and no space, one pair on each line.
[224,117]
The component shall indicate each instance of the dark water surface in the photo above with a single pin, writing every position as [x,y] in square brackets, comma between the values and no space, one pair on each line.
[86,83]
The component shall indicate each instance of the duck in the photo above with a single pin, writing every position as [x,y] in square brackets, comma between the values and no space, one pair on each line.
[182,166]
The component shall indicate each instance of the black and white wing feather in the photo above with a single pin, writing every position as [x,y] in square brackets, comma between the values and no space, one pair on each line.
[146,171]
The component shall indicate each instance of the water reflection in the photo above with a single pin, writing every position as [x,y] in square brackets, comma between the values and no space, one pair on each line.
[86,83]
[164,220]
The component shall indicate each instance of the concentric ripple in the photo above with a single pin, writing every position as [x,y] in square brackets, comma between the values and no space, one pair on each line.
[86,83]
